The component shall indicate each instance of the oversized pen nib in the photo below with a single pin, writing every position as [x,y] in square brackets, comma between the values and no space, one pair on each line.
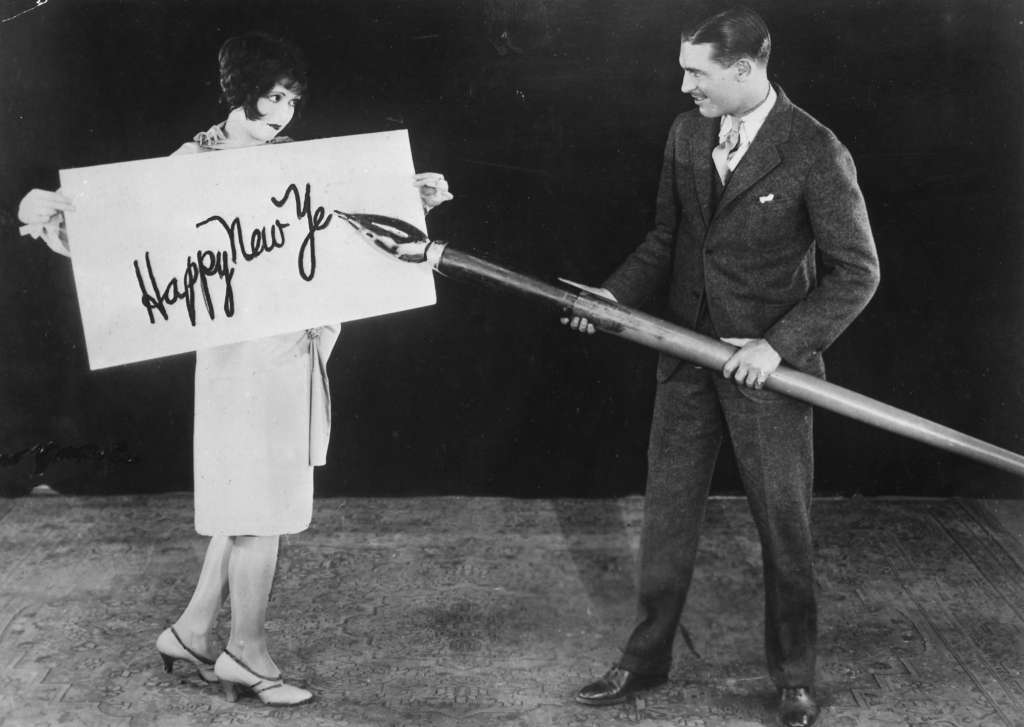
[395,237]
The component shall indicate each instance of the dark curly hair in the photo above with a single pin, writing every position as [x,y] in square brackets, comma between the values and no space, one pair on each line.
[253,63]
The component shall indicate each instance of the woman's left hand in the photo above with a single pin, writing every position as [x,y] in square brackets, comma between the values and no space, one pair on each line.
[433,189]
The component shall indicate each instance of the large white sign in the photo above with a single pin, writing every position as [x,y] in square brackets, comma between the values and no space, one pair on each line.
[197,250]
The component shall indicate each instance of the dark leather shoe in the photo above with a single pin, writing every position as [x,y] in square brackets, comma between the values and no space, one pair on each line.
[797,708]
[617,686]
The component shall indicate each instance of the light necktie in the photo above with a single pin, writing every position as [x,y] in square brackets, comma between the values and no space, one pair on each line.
[721,154]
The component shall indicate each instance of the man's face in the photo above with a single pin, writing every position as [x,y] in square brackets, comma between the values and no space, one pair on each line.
[715,88]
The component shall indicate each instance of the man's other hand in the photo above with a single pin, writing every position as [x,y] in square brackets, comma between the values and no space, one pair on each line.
[753,363]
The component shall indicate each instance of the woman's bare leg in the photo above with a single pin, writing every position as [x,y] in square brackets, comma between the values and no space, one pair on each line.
[251,568]
[196,626]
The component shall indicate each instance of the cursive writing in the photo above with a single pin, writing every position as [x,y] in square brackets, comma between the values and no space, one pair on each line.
[315,221]
[206,265]
[194,285]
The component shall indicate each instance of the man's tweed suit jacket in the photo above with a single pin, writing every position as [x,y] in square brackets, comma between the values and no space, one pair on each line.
[753,259]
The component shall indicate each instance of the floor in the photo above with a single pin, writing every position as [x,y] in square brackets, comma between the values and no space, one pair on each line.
[491,611]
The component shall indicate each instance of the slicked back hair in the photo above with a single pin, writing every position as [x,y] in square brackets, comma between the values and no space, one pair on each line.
[735,33]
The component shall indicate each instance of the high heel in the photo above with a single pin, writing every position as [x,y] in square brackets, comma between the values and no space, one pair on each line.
[272,691]
[172,648]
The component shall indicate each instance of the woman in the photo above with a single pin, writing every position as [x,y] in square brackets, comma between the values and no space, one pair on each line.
[249,398]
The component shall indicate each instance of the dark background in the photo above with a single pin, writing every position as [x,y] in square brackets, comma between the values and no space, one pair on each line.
[548,117]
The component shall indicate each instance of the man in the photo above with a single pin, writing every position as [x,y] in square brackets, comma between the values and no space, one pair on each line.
[751,187]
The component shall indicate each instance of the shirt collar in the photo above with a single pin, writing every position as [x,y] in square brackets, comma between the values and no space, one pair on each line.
[752,121]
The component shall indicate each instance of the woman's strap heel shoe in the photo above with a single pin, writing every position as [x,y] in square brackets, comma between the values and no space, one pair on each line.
[172,649]
[272,691]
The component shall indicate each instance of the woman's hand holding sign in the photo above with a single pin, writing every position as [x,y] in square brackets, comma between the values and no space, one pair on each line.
[433,189]
[42,215]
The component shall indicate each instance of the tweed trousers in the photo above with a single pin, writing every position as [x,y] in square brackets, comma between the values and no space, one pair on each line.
[772,438]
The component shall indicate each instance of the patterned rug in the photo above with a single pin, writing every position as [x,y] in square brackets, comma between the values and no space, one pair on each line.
[481,612]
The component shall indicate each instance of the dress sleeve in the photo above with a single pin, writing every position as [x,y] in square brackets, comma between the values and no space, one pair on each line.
[53,234]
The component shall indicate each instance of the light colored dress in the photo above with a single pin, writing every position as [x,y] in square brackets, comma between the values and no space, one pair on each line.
[262,422]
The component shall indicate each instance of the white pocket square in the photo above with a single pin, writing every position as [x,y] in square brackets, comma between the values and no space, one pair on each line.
[766,198]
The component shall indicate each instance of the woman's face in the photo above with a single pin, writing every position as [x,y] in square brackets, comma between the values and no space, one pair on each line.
[276,109]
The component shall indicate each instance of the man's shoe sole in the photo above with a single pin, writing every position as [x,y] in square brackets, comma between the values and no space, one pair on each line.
[602,702]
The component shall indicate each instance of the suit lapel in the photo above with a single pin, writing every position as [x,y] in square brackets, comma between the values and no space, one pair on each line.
[763,154]
[701,145]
